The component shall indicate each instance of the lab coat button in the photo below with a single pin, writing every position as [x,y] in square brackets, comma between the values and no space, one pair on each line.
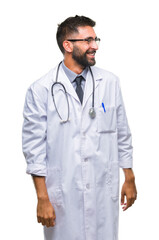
[87,185]
[86,159]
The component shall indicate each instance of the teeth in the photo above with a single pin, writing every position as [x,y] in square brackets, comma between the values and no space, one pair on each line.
[92,54]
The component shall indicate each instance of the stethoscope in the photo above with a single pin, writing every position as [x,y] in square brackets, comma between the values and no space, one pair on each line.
[92,112]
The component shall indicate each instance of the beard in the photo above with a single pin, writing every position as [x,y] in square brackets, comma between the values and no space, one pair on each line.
[81,58]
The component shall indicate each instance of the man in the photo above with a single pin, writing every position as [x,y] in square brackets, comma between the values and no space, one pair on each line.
[75,138]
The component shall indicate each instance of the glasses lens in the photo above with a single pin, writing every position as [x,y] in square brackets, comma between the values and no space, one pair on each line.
[97,40]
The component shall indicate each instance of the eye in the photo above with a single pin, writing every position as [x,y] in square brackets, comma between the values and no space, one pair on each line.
[89,40]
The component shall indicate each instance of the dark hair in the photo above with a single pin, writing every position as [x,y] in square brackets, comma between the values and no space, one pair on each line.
[69,26]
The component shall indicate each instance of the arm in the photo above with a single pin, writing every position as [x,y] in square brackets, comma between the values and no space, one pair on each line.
[34,149]
[128,189]
[45,210]
[125,151]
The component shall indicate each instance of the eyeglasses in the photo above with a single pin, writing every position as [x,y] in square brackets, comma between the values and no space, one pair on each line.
[88,40]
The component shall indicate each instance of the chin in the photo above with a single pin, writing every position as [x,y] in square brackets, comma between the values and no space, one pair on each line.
[92,63]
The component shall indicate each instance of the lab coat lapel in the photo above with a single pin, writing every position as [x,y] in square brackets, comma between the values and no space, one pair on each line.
[89,84]
[68,85]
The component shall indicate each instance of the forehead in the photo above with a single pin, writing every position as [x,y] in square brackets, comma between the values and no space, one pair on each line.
[85,32]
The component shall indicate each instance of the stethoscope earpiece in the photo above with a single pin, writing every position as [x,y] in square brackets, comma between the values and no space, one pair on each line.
[64,121]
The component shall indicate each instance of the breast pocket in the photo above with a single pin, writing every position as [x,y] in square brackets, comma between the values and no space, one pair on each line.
[106,120]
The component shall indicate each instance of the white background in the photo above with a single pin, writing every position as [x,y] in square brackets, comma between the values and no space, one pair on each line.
[130,49]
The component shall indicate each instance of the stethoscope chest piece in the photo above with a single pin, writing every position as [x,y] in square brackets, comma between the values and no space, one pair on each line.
[92,113]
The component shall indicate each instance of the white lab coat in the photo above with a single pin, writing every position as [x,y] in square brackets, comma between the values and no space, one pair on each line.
[80,158]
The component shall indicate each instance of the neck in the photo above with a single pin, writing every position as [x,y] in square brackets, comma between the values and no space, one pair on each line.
[72,65]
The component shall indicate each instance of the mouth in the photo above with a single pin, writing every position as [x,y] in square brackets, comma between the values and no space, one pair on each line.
[91,53]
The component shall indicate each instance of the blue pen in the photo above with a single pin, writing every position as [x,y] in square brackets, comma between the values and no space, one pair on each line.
[103,107]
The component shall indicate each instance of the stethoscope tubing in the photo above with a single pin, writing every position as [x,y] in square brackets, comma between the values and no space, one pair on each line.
[55,102]
[66,95]
[93,87]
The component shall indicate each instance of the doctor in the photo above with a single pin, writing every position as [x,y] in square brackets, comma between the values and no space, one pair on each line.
[75,139]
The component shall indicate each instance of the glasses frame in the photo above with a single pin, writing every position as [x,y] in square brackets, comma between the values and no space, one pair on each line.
[88,40]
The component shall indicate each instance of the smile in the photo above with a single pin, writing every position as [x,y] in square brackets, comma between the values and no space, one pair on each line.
[92,53]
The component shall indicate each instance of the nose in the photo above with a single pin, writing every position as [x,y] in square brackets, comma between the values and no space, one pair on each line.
[94,45]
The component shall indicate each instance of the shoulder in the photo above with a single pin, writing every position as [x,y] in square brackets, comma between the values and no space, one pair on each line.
[104,74]
[44,81]
[41,86]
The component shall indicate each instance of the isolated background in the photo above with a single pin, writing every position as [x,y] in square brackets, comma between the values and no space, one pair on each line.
[129,48]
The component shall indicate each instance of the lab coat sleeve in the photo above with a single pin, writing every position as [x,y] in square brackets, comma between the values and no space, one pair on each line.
[125,148]
[34,133]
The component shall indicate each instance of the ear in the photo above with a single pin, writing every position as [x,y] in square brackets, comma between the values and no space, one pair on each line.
[68,46]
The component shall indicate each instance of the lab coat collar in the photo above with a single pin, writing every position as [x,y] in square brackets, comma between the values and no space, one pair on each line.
[88,86]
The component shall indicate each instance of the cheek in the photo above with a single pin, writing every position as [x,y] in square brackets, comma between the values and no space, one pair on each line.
[86,48]
[83,49]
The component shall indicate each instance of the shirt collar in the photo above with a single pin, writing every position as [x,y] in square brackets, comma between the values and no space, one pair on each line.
[72,75]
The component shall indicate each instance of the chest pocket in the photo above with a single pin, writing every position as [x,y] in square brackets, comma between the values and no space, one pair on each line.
[106,120]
